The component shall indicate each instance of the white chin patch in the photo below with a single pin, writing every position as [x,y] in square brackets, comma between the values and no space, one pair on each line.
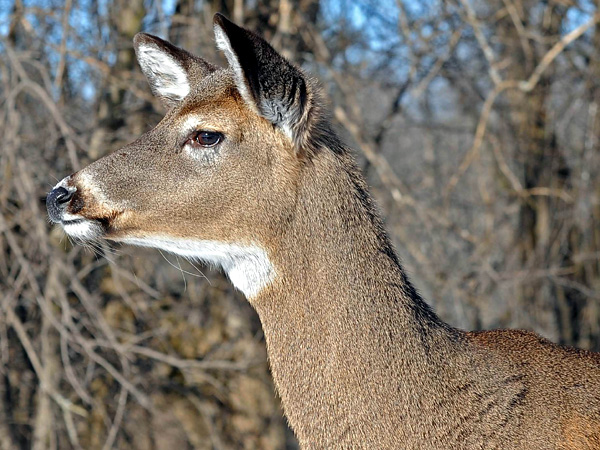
[81,229]
[247,266]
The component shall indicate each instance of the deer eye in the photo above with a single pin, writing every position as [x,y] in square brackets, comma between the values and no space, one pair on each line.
[205,138]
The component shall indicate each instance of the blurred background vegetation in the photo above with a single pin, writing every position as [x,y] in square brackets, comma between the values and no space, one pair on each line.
[476,122]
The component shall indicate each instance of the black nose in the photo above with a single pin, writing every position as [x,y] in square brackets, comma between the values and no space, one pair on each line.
[56,202]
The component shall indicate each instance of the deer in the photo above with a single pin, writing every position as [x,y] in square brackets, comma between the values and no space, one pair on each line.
[245,172]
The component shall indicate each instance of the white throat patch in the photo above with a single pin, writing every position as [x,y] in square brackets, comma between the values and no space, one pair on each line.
[247,266]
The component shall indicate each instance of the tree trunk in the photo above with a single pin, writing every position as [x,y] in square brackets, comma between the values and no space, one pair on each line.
[542,165]
[127,15]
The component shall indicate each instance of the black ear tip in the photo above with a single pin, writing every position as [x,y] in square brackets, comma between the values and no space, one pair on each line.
[142,38]
[221,20]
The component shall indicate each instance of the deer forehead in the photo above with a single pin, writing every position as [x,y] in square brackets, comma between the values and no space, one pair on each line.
[216,103]
[216,116]
[223,112]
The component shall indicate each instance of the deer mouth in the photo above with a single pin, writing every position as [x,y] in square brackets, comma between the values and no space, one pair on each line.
[66,207]
[83,229]
[72,222]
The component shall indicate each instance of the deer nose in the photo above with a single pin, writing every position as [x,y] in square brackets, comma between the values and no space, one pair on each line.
[56,202]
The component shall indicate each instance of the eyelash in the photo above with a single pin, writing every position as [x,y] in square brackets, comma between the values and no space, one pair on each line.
[204,139]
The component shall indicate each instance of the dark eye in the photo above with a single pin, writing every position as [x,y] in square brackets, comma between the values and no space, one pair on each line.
[205,138]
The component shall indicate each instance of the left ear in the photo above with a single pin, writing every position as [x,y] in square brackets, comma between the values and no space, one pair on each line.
[170,70]
[270,85]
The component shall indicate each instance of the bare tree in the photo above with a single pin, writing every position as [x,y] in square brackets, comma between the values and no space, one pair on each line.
[476,122]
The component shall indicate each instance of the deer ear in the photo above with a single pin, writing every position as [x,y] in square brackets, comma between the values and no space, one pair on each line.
[168,68]
[270,85]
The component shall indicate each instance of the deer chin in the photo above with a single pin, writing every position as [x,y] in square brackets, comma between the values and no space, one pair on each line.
[81,229]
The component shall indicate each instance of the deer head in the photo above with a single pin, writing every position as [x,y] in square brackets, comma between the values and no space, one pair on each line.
[214,180]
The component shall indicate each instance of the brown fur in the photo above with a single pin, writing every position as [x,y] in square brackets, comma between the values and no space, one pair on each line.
[360,361]
[580,433]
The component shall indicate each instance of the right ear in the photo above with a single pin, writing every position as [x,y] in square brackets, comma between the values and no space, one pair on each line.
[168,68]
[273,87]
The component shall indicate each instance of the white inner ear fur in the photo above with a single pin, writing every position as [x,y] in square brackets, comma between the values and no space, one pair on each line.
[164,73]
[247,266]
[224,45]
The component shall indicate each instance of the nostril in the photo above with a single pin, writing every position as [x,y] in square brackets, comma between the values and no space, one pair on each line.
[62,195]
[56,202]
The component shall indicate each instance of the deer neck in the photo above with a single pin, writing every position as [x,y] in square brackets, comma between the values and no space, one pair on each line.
[341,313]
